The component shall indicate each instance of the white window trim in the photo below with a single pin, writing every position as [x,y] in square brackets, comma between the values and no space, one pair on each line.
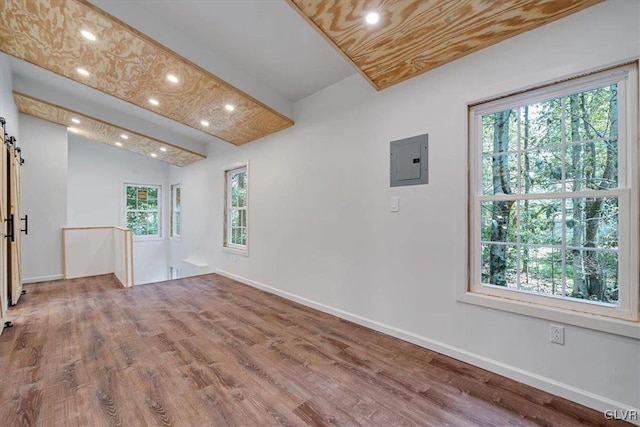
[626,317]
[173,236]
[229,247]
[160,210]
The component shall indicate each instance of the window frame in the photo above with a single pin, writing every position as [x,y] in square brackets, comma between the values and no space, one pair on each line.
[159,187]
[584,313]
[174,212]
[226,244]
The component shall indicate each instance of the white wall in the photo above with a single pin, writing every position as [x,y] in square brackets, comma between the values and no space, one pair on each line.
[321,229]
[44,197]
[92,251]
[89,251]
[95,186]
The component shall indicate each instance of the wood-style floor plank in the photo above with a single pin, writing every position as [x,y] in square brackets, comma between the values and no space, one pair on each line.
[210,351]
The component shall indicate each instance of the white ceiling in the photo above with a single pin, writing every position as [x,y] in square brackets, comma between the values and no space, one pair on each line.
[262,47]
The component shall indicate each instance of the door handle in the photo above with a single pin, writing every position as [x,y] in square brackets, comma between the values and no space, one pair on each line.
[26,224]
[10,226]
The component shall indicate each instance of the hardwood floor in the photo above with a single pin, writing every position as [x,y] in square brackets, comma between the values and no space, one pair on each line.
[210,351]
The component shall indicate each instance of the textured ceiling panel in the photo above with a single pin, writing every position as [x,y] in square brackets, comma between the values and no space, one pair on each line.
[109,134]
[414,36]
[125,63]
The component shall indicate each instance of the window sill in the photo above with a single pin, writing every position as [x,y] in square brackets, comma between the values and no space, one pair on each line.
[610,325]
[139,239]
[243,252]
[176,239]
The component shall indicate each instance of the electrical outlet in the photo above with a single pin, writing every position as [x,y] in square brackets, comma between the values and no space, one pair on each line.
[556,334]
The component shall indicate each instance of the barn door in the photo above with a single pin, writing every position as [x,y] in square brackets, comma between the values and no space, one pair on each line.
[14,161]
[4,293]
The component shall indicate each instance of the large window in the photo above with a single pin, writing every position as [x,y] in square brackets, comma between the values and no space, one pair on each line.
[553,189]
[143,209]
[176,216]
[236,224]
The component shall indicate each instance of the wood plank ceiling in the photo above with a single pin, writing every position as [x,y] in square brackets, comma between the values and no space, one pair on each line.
[131,66]
[104,132]
[414,36]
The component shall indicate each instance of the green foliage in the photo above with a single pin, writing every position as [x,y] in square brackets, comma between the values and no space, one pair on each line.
[556,245]
[237,212]
[142,215]
[176,214]
[239,189]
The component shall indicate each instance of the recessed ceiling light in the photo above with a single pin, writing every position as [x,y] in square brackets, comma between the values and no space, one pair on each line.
[76,121]
[88,35]
[154,155]
[82,71]
[372,18]
[72,129]
[172,78]
[153,101]
[164,150]
[229,107]
[204,123]
[124,136]
[119,144]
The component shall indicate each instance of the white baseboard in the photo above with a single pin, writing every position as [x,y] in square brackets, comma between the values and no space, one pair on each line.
[583,397]
[42,278]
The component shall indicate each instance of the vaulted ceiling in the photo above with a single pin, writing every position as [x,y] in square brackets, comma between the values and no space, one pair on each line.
[256,56]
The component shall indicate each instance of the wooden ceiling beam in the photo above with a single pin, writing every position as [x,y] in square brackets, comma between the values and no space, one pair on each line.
[415,36]
[125,63]
[107,133]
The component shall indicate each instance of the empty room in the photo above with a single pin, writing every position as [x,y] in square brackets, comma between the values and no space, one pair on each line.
[319,212]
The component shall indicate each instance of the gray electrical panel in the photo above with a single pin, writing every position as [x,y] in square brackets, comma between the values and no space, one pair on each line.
[409,161]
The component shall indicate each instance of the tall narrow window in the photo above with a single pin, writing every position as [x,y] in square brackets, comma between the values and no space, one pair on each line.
[554,196]
[176,218]
[236,224]
[143,208]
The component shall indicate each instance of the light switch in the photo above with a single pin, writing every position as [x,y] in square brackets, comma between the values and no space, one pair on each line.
[395,204]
